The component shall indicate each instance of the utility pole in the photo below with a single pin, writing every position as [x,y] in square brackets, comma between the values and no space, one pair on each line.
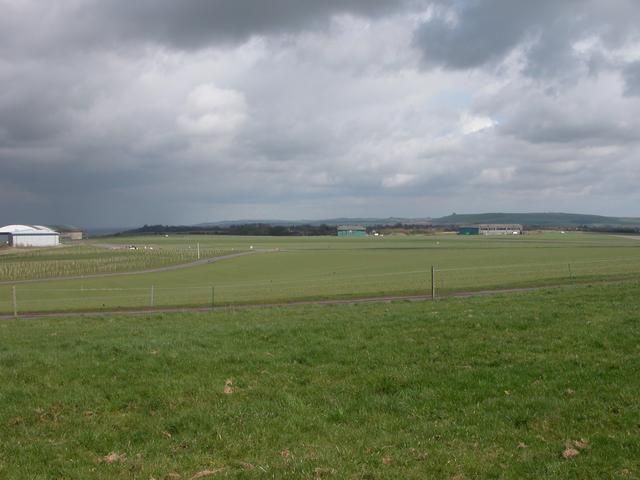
[151,301]
[198,250]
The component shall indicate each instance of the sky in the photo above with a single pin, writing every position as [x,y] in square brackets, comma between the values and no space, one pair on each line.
[114,112]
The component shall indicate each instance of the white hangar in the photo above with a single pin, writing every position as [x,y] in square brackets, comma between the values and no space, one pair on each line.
[28,236]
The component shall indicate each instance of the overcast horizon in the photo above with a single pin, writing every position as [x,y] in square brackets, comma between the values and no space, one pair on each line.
[116,113]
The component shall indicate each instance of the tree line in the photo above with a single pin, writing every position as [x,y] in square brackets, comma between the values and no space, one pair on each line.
[249,229]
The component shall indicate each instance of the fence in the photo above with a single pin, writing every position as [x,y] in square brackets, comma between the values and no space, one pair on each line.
[431,281]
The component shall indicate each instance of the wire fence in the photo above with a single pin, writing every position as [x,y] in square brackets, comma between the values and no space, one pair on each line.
[431,281]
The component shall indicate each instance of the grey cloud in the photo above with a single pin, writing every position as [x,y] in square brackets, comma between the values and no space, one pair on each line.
[28,121]
[194,23]
[560,127]
[337,121]
[481,32]
[631,75]
[485,32]
[182,25]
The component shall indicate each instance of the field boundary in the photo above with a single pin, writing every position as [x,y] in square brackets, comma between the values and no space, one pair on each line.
[328,302]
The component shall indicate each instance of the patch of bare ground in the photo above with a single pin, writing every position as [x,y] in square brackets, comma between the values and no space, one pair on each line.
[573,448]
[207,473]
[323,472]
[113,457]
[286,455]
[229,388]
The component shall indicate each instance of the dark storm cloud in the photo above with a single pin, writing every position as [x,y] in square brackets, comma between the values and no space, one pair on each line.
[479,31]
[184,24]
[476,33]
[125,112]
[195,23]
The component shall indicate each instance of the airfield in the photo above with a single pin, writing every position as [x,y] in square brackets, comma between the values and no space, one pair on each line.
[541,383]
[204,270]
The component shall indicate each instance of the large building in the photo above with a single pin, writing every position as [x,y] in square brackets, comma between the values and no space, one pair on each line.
[28,236]
[68,232]
[491,229]
[352,231]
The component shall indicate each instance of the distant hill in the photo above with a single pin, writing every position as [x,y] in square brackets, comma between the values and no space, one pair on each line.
[542,219]
[105,231]
[330,222]
[328,226]
[537,219]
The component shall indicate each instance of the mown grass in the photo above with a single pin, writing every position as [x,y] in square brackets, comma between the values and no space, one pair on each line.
[325,268]
[476,388]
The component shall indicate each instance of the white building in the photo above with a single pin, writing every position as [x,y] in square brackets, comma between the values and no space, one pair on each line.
[500,229]
[28,236]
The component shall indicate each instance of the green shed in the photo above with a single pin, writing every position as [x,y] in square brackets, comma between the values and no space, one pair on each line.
[352,231]
[469,231]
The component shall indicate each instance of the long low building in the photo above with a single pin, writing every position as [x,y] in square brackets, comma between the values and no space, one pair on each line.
[29,236]
[491,229]
[352,231]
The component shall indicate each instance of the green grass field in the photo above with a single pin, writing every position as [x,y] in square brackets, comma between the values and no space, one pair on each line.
[496,387]
[328,267]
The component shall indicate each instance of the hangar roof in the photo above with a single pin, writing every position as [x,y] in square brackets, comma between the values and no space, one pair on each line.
[27,230]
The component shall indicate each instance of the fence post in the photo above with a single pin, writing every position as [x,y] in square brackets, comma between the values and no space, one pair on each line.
[213,296]
[151,300]
[570,273]
[433,283]
[15,303]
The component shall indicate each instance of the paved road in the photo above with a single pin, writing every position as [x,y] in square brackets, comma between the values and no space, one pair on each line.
[168,268]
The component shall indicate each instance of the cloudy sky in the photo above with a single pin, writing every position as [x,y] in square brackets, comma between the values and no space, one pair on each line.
[120,112]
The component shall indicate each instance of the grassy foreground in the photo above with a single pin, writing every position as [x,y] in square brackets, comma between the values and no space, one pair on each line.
[464,388]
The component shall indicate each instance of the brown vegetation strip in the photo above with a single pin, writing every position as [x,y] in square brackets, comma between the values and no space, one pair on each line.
[168,268]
